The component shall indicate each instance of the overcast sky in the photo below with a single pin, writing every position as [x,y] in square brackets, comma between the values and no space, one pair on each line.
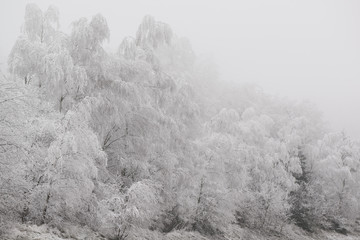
[304,50]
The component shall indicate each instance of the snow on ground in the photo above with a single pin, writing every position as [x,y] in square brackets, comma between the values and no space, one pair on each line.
[44,232]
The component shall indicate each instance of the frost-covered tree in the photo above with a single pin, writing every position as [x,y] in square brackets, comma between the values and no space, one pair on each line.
[24,137]
[129,50]
[25,59]
[65,81]
[39,29]
[152,33]
[14,150]
[42,53]
[214,207]
[86,39]
[40,26]
[335,176]
[66,186]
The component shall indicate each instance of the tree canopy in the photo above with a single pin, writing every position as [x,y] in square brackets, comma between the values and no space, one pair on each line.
[149,139]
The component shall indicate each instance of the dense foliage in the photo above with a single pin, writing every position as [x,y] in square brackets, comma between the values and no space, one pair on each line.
[148,138]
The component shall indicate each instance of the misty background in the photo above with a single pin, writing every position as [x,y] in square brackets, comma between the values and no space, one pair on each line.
[302,50]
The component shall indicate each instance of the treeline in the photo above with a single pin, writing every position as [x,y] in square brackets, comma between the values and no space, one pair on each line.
[148,138]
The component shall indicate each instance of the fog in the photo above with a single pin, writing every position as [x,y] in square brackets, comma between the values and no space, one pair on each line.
[302,50]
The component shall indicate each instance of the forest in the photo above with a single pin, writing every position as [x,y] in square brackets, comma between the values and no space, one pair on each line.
[148,143]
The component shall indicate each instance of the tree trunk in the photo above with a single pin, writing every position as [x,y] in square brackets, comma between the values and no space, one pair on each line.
[60,103]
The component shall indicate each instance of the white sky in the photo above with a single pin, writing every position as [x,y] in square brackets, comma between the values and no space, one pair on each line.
[305,49]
